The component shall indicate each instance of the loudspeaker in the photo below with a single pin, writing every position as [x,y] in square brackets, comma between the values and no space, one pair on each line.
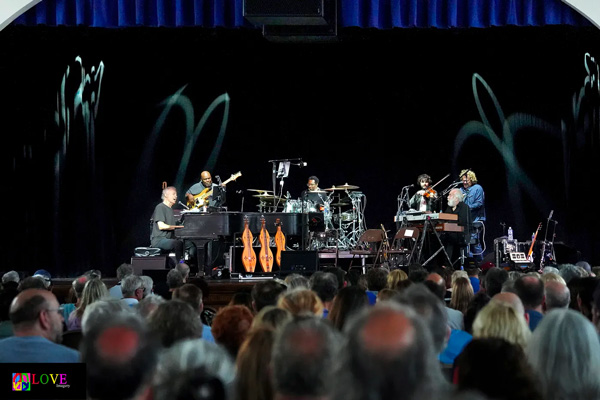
[299,262]
[149,263]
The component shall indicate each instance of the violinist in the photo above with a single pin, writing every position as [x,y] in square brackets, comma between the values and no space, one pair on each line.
[424,199]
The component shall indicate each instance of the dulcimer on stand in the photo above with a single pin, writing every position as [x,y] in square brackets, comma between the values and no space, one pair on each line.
[266,255]
[279,242]
[248,255]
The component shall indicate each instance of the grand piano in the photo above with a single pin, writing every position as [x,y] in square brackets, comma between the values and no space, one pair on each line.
[227,224]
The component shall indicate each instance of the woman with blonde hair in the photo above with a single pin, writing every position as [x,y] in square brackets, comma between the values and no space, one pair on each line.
[501,320]
[253,361]
[395,277]
[301,301]
[93,290]
[462,293]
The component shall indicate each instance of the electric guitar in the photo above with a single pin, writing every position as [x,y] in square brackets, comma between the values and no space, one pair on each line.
[201,199]
[530,253]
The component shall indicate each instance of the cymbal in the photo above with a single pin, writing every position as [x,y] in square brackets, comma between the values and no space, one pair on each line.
[269,197]
[259,190]
[316,191]
[340,204]
[343,187]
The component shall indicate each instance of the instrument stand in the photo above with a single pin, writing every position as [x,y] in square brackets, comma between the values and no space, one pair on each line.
[428,225]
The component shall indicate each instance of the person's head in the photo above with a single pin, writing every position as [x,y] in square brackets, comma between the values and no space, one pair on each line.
[148,285]
[325,285]
[93,290]
[174,279]
[44,276]
[500,320]
[206,179]
[295,281]
[36,312]
[313,183]
[494,279]
[305,358]
[348,301]
[266,294]
[557,295]
[570,271]
[530,290]
[169,196]
[565,352]
[479,300]
[252,361]
[416,273]
[174,321]
[271,317]
[552,277]
[78,284]
[230,327]
[458,274]
[483,361]
[184,269]
[120,359]
[436,287]
[377,278]
[178,368]
[454,197]
[462,293]
[339,273]
[31,282]
[132,287]
[582,294]
[424,181]
[301,301]
[468,178]
[430,309]
[394,277]
[148,305]
[390,354]
[102,312]
[124,270]
[10,276]
[190,294]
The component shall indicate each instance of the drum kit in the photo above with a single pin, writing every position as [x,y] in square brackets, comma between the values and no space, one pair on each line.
[343,208]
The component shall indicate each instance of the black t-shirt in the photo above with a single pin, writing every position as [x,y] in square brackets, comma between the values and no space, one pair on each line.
[163,213]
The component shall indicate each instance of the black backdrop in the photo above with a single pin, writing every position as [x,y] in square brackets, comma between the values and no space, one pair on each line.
[374,109]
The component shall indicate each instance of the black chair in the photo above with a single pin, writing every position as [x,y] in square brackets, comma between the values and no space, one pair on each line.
[369,245]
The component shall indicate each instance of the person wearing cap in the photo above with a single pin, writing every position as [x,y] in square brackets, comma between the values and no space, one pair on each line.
[45,276]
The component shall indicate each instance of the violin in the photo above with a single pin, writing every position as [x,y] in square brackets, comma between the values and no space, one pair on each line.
[279,241]
[430,193]
[266,255]
[248,255]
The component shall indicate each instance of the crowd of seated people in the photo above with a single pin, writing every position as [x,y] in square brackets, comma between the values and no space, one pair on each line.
[415,334]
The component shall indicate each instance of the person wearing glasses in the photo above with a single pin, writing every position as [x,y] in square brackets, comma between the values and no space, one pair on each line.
[132,287]
[38,328]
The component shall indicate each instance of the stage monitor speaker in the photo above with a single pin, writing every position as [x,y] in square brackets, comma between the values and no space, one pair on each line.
[278,12]
[148,263]
[299,262]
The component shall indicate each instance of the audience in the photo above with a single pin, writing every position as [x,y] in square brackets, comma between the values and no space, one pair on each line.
[565,353]
[132,288]
[192,295]
[173,321]
[530,290]
[462,293]
[557,296]
[301,301]
[231,326]
[325,285]
[395,277]
[253,361]
[123,271]
[38,327]
[499,319]
[148,305]
[93,290]
[295,281]
[494,279]
[266,294]
[348,301]
[271,317]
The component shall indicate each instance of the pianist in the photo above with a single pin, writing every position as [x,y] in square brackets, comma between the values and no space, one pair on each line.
[217,199]
[455,241]
[164,225]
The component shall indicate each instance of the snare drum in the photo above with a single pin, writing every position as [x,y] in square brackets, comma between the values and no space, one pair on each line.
[347,216]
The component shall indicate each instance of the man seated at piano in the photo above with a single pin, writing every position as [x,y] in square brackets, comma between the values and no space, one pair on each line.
[198,194]
[455,241]
[426,198]
[164,225]
[314,192]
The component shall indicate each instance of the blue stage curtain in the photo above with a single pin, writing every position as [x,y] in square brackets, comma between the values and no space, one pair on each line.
[381,14]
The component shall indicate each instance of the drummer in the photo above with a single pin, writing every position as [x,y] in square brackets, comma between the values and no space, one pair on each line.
[314,193]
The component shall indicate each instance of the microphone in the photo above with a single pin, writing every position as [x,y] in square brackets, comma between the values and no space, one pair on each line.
[239,191]
[300,164]
[408,186]
[218,179]
[550,216]
[186,207]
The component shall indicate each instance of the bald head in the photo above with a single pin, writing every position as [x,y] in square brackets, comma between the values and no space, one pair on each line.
[511,300]
[387,331]
[557,295]
[206,178]
[436,278]
[35,312]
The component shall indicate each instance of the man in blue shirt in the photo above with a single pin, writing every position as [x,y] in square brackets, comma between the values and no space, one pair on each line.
[38,328]
[474,197]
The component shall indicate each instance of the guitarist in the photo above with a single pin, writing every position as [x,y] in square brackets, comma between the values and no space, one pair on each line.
[217,199]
